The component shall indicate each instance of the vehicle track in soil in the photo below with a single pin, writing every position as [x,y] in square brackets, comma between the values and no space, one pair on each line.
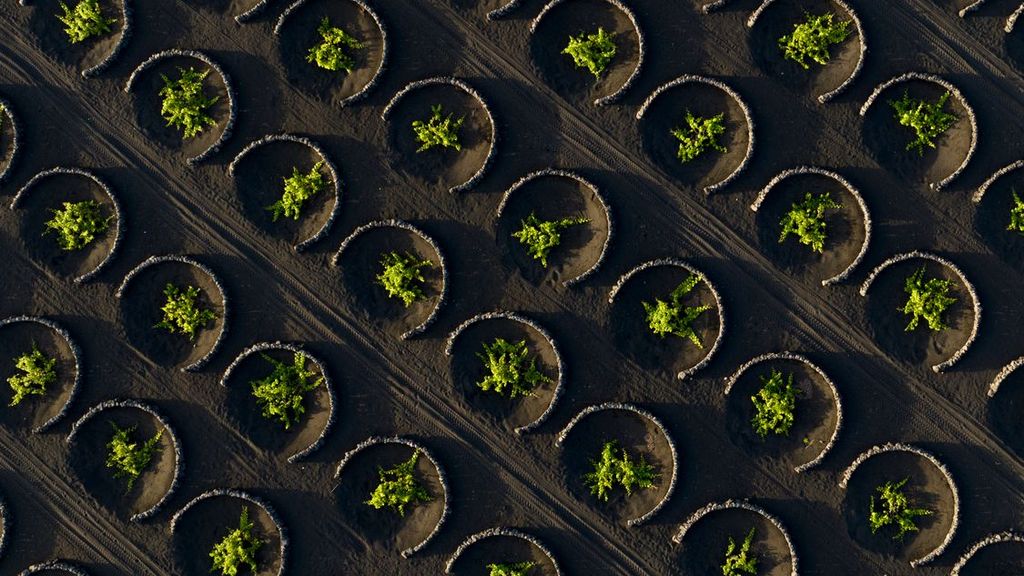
[493,442]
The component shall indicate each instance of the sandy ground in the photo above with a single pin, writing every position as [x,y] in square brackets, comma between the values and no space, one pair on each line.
[388,386]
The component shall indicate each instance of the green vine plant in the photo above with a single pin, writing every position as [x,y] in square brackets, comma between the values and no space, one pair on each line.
[775,405]
[699,135]
[298,188]
[184,103]
[84,21]
[127,457]
[402,276]
[281,393]
[237,549]
[615,467]
[674,317]
[37,374]
[331,53]
[182,313]
[593,51]
[438,130]
[77,224]
[1017,215]
[511,370]
[398,487]
[541,236]
[812,38]
[510,569]
[738,558]
[928,120]
[894,509]
[927,299]
[806,220]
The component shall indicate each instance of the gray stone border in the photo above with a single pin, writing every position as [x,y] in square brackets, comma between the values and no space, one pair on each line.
[593,188]
[863,41]
[202,268]
[504,10]
[694,79]
[731,381]
[741,505]
[515,317]
[641,47]
[118,214]
[948,363]
[252,12]
[508,532]
[321,366]
[925,77]
[1012,20]
[980,192]
[282,531]
[442,479]
[1003,374]
[76,353]
[403,225]
[13,119]
[678,263]
[365,91]
[126,33]
[900,447]
[5,525]
[970,8]
[713,6]
[335,177]
[202,57]
[58,565]
[560,439]
[994,538]
[450,81]
[850,188]
[179,462]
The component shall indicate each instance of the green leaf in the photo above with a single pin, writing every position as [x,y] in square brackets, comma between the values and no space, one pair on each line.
[894,509]
[510,370]
[774,405]
[438,130]
[129,459]
[77,224]
[510,569]
[298,188]
[398,487]
[237,549]
[182,314]
[541,236]
[614,467]
[592,51]
[673,317]
[812,38]
[806,220]
[85,20]
[927,299]
[738,559]
[402,277]
[281,393]
[928,120]
[37,373]
[331,53]
[699,135]
[184,103]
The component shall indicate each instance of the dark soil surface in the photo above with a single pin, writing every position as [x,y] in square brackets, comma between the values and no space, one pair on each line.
[814,421]
[705,544]
[89,455]
[1003,559]
[299,34]
[554,198]
[38,206]
[388,386]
